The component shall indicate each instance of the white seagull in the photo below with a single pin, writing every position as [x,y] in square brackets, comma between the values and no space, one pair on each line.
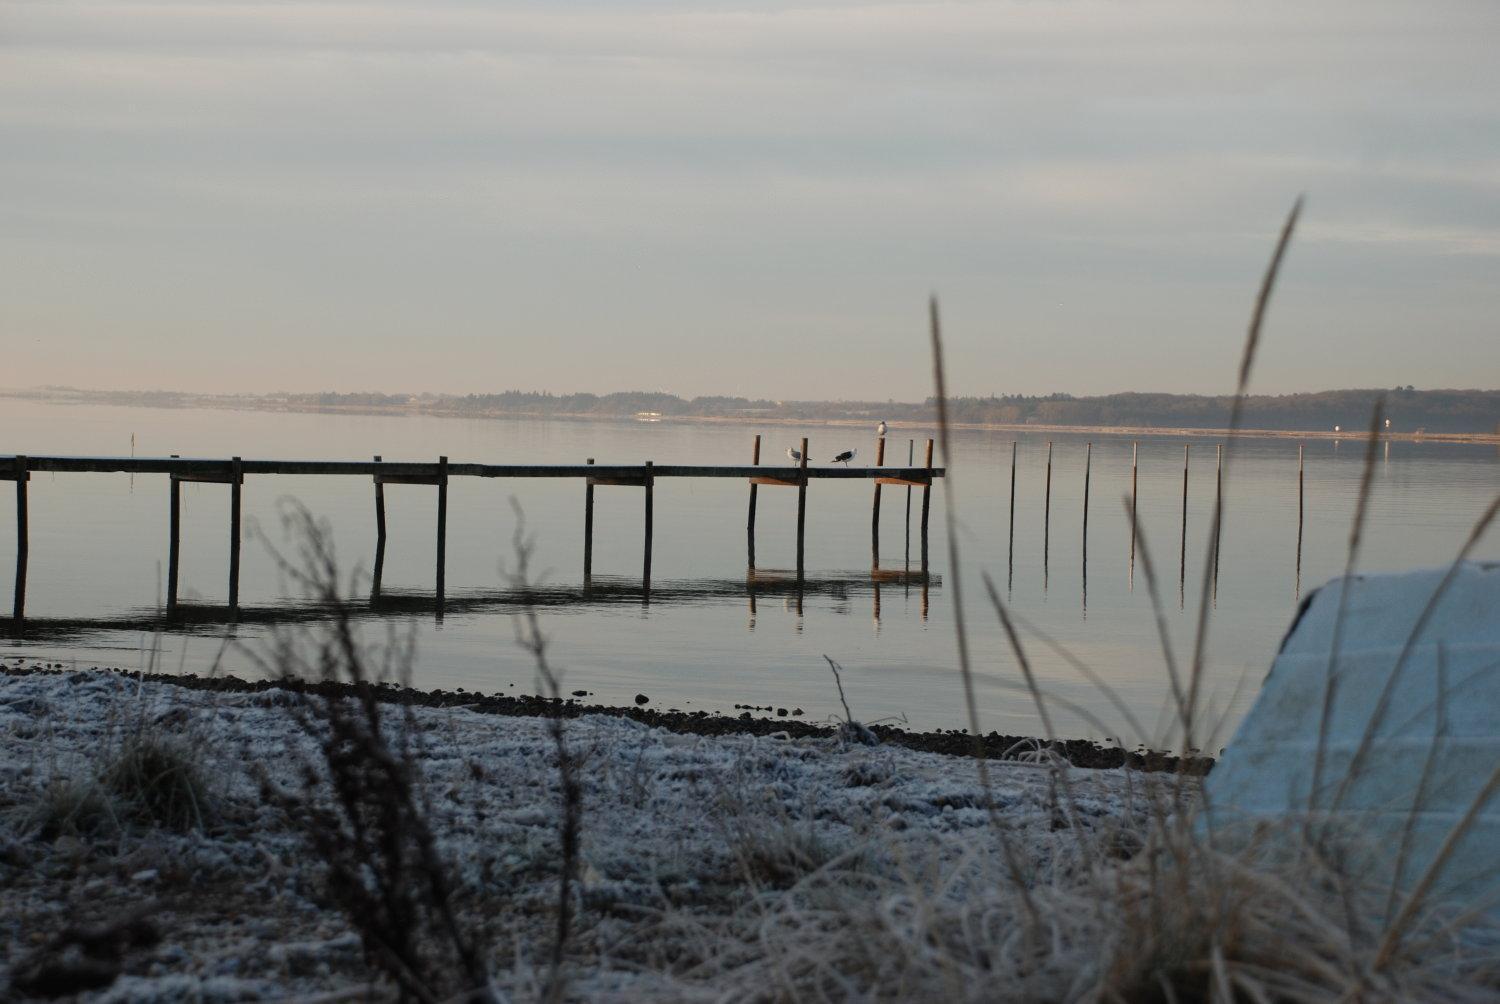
[880,429]
[845,457]
[793,455]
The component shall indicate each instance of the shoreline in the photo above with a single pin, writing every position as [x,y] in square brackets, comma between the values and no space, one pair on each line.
[1353,435]
[1083,753]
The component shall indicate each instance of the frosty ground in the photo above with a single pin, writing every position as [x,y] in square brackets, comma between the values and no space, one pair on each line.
[689,843]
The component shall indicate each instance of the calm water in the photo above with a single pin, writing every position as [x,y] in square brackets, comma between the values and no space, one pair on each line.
[99,542]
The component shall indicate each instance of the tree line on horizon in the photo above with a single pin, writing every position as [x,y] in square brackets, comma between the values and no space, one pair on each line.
[1410,410]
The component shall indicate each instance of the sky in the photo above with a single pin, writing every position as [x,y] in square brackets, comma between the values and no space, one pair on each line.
[746,198]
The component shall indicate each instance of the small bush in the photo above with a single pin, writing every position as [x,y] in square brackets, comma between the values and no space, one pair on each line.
[778,854]
[158,780]
[68,806]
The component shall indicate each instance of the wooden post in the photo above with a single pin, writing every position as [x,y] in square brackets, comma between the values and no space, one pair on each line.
[1010,561]
[926,510]
[1182,553]
[1088,465]
[1218,512]
[1300,496]
[236,480]
[174,539]
[1047,517]
[1134,518]
[911,456]
[875,508]
[23,543]
[588,530]
[379,535]
[750,517]
[650,505]
[801,510]
[442,533]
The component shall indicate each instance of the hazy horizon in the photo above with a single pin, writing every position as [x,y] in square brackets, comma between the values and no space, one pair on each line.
[689,396]
[459,196]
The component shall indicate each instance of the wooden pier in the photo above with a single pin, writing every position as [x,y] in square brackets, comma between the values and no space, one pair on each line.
[234,470]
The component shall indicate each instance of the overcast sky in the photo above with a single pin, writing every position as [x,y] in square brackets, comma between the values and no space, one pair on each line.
[750,198]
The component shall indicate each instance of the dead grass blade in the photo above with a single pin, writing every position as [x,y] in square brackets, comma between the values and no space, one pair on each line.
[1236,412]
[1351,557]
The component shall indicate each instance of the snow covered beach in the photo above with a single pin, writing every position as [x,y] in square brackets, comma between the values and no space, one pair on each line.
[688,843]
[162,842]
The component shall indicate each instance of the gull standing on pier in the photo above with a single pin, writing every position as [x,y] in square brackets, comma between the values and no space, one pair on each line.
[845,457]
[880,429]
[793,455]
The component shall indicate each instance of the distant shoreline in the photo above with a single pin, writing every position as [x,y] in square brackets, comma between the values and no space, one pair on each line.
[221,404]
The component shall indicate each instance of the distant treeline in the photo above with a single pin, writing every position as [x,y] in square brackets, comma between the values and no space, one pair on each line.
[1435,411]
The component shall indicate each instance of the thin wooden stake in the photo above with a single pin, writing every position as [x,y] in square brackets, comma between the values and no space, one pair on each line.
[237,479]
[1047,519]
[1218,513]
[1300,510]
[801,508]
[875,508]
[379,536]
[23,543]
[650,507]
[1182,554]
[1088,465]
[588,530]
[750,518]
[926,509]
[1010,561]
[442,533]
[1134,482]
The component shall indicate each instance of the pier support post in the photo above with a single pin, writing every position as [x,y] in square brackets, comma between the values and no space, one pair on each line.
[23,543]
[650,486]
[750,517]
[379,535]
[911,458]
[926,511]
[236,480]
[875,508]
[174,541]
[588,530]
[442,532]
[801,508]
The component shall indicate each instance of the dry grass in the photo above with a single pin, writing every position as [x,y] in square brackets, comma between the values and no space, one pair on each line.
[1157,909]
[361,807]
[156,777]
[67,807]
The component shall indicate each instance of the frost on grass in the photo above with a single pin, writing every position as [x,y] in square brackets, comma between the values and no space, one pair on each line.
[726,867]
[681,832]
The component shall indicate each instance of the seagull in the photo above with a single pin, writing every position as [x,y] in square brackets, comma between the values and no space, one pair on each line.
[880,429]
[793,455]
[845,457]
